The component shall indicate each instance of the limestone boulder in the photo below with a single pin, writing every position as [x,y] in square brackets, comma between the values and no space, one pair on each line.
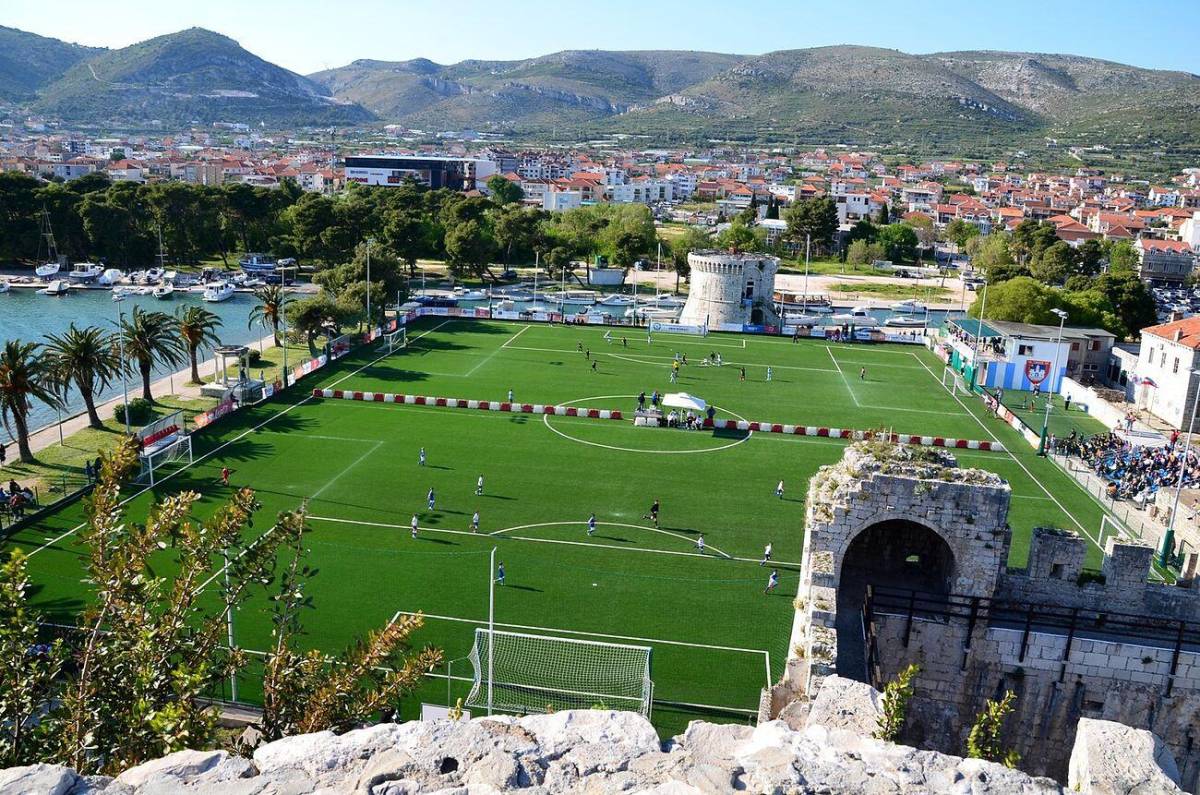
[1114,759]
[41,779]
[846,704]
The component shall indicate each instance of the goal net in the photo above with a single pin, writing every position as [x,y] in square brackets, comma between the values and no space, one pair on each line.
[164,441]
[339,346]
[516,672]
[953,381]
[393,341]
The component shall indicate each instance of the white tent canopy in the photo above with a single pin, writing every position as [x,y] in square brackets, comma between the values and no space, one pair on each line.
[682,400]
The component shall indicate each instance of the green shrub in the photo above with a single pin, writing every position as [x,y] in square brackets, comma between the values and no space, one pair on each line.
[896,695]
[255,357]
[140,411]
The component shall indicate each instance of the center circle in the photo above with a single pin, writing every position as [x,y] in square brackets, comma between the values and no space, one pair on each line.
[565,435]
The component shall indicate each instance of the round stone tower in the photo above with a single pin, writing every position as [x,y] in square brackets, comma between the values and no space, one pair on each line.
[730,288]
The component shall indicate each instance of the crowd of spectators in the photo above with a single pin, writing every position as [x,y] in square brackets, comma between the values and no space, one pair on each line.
[1133,472]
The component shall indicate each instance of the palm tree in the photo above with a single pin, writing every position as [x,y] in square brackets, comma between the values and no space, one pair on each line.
[151,338]
[197,327]
[268,313]
[87,359]
[24,376]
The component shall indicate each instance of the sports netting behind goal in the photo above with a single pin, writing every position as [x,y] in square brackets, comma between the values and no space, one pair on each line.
[540,673]
[393,341]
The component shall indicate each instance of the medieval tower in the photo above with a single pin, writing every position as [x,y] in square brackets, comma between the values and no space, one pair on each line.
[730,288]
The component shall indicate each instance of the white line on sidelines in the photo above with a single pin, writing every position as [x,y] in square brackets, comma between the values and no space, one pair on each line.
[845,380]
[240,555]
[391,526]
[509,341]
[237,438]
[374,446]
[610,524]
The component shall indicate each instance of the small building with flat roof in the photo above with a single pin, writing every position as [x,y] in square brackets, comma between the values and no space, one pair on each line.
[1009,355]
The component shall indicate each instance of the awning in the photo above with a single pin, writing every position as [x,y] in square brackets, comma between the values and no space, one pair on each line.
[682,400]
[1142,438]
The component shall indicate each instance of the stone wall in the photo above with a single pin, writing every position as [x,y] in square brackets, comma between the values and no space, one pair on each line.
[603,752]
[718,283]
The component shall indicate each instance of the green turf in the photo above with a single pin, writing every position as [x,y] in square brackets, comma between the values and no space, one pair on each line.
[716,638]
[1032,411]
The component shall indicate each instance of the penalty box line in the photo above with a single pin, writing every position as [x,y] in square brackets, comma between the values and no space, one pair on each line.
[237,438]
[633,638]
[494,534]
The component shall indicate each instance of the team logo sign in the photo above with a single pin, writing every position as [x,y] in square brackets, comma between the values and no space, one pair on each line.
[1036,370]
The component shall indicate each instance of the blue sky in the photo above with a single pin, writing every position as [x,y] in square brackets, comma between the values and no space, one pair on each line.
[306,36]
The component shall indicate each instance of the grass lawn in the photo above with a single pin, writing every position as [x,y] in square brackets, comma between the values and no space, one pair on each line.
[890,291]
[716,638]
[1033,413]
[829,266]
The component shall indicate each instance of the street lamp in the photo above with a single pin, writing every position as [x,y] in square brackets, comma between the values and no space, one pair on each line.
[1062,319]
[978,335]
[117,299]
[1166,550]
[370,242]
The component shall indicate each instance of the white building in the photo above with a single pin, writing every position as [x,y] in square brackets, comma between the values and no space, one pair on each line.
[560,200]
[1189,231]
[1164,383]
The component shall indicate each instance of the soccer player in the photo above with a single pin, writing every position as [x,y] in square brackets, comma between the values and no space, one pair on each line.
[475,522]
[766,554]
[479,487]
[500,573]
[624,342]
[510,396]
[224,476]
[421,457]
[653,515]
[649,338]
[413,525]
[772,581]
[592,524]
[862,374]
[779,490]
[684,359]
[431,498]
[588,354]
[674,376]
[770,373]
[719,362]
[608,337]
[594,370]
[579,346]
[741,373]
[700,543]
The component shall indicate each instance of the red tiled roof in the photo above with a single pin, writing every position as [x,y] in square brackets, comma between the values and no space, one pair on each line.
[1189,329]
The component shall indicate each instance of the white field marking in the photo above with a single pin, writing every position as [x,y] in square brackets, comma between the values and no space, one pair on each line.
[237,438]
[241,554]
[547,423]
[706,368]
[906,410]
[1030,497]
[561,631]
[532,539]
[612,524]
[1018,462]
[374,446]
[509,341]
[325,438]
[845,380]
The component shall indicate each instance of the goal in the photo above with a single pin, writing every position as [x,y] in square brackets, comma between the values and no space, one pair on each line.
[521,673]
[163,442]
[954,383]
[393,341]
[339,346]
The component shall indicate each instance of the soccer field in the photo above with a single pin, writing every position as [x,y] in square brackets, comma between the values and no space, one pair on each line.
[716,638]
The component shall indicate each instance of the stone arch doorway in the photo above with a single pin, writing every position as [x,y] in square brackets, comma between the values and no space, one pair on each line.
[756,316]
[896,553]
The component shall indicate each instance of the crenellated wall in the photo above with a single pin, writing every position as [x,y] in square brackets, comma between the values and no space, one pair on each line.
[718,285]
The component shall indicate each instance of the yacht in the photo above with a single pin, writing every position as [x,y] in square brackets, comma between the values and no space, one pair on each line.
[215,292]
[666,301]
[164,291]
[798,319]
[578,298]
[616,299]
[85,272]
[110,277]
[910,307]
[505,305]
[56,287]
[463,294]
[858,316]
[521,296]
[258,264]
[4,288]
[47,270]
[652,313]
[904,322]
[154,275]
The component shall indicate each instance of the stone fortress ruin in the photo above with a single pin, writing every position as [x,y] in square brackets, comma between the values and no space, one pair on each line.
[730,288]
[904,562]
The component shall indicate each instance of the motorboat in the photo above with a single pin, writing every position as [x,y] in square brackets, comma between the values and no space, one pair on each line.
[506,305]
[666,301]
[858,316]
[215,292]
[121,290]
[4,287]
[910,307]
[798,319]
[110,277]
[616,299]
[154,275]
[578,298]
[904,322]
[463,294]
[652,313]
[258,264]
[164,291]
[56,287]
[47,270]
[84,272]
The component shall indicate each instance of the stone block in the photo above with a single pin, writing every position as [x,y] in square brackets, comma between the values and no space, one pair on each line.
[1113,759]
[846,704]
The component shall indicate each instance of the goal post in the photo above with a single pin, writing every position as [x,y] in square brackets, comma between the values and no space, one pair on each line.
[953,381]
[523,673]
[163,442]
[393,341]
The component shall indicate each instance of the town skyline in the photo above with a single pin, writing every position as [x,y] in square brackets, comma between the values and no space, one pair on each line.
[1094,30]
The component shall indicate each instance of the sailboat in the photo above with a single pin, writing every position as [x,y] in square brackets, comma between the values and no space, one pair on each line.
[51,266]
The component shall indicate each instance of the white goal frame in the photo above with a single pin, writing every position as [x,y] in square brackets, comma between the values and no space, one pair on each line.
[953,381]
[393,340]
[170,450]
[524,674]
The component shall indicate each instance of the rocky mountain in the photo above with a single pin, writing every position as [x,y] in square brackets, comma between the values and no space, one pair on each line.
[191,75]
[29,62]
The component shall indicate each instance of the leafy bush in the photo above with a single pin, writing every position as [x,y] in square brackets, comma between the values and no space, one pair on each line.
[896,695]
[140,411]
[255,357]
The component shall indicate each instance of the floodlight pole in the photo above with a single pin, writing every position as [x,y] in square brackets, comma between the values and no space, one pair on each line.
[978,334]
[1167,549]
[370,241]
[233,692]
[491,624]
[1062,319]
[117,299]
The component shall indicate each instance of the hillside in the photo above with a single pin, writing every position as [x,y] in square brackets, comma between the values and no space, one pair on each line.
[191,75]
[565,87]
[28,62]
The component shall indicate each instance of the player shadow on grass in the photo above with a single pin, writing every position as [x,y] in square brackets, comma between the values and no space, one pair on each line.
[443,541]
[290,423]
[394,373]
[616,538]
[726,433]
[498,497]
[246,449]
[66,608]
[529,588]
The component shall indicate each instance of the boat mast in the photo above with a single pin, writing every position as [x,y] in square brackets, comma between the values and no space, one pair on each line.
[807,249]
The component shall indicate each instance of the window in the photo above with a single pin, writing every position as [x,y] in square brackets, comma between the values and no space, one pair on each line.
[1024,350]
[1074,346]
[1175,368]
[1094,345]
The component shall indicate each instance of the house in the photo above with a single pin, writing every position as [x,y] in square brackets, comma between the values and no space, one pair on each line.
[1165,383]
[1164,261]
[1010,355]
